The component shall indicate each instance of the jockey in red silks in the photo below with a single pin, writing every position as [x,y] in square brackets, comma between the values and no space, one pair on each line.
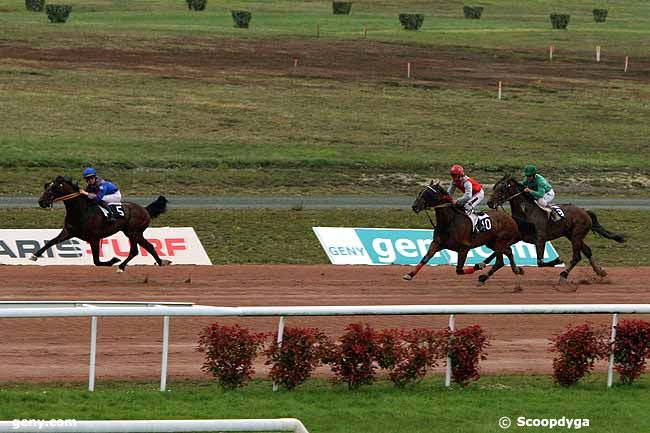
[472,191]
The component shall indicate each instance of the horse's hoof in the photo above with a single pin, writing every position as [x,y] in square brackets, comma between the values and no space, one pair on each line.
[165,262]
[113,261]
[482,279]
[33,258]
[564,275]
[407,277]
[120,270]
[479,266]
[601,272]
[520,271]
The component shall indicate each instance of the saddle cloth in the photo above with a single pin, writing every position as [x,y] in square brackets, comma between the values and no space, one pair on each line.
[481,222]
[117,209]
[558,211]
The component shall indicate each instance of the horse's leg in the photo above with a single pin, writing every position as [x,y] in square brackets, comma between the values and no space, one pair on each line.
[94,247]
[132,252]
[576,246]
[540,246]
[460,264]
[63,236]
[433,249]
[151,250]
[592,261]
[483,263]
[497,265]
[515,269]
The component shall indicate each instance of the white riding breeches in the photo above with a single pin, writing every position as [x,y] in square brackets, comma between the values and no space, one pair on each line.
[545,201]
[116,197]
[473,202]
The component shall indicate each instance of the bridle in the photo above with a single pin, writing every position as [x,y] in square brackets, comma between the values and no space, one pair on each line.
[426,210]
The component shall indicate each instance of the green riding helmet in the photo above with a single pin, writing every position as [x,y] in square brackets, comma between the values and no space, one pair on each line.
[530,170]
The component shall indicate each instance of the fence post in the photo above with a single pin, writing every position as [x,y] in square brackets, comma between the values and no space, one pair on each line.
[165,351]
[280,335]
[452,327]
[610,368]
[93,352]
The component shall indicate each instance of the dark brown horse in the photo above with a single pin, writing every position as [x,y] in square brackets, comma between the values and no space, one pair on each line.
[453,231]
[575,225]
[85,220]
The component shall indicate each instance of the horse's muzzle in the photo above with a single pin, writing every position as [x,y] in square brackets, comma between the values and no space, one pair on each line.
[45,204]
[491,204]
[416,209]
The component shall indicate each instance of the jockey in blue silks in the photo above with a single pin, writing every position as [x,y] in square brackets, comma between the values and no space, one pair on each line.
[101,192]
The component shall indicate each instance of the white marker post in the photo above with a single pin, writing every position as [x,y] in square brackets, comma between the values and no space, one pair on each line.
[295,63]
[499,93]
[598,53]
[551,49]
[627,60]
[365,30]
[408,69]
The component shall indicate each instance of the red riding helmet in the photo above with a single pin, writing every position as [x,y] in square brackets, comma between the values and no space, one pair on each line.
[457,170]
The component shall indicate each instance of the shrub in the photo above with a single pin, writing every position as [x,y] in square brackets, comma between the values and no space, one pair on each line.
[352,360]
[341,8]
[229,353]
[407,355]
[560,21]
[578,348]
[411,21]
[473,12]
[631,348]
[466,347]
[241,18]
[58,13]
[600,15]
[35,5]
[197,5]
[301,351]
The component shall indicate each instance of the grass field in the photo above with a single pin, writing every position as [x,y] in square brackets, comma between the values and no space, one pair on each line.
[256,127]
[286,236]
[380,408]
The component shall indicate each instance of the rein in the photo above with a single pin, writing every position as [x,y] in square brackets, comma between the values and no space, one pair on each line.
[68,197]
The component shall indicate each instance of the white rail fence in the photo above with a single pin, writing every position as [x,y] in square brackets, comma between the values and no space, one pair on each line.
[167,310]
[137,426]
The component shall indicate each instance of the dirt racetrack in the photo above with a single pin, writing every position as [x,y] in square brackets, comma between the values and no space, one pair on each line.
[57,348]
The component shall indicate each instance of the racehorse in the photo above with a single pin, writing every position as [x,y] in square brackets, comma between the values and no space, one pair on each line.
[85,220]
[575,225]
[454,231]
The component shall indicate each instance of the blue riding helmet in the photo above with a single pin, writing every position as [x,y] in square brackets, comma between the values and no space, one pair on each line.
[89,172]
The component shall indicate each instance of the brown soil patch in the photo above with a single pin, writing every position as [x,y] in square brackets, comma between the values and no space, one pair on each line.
[213,58]
[57,348]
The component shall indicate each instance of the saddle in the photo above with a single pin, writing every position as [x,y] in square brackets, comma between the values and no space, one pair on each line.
[116,209]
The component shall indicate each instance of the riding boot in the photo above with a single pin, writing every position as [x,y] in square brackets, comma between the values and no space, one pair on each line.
[111,216]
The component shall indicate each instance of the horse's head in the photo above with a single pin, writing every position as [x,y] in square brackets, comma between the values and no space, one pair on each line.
[431,195]
[503,190]
[59,187]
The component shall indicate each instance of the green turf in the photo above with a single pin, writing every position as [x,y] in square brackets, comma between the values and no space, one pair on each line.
[269,133]
[380,408]
[286,236]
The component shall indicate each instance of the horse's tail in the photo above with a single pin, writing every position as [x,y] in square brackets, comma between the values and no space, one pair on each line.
[597,228]
[157,207]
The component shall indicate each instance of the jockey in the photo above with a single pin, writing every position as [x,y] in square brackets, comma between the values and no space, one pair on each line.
[101,192]
[541,190]
[472,191]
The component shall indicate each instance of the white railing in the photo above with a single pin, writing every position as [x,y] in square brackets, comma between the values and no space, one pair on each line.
[137,426]
[166,310]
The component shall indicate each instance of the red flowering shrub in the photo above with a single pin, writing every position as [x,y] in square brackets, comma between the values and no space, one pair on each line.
[631,348]
[229,353]
[300,352]
[578,348]
[407,355]
[352,360]
[466,347]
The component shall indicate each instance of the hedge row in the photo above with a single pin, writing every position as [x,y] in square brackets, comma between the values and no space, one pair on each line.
[406,355]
